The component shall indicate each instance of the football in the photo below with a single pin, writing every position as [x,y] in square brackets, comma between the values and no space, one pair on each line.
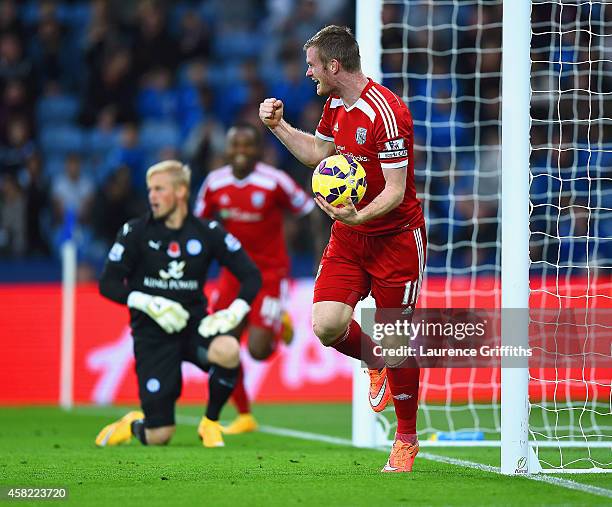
[338,178]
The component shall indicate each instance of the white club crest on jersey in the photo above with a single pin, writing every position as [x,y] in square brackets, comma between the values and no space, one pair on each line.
[194,247]
[258,199]
[153,385]
[224,200]
[360,135]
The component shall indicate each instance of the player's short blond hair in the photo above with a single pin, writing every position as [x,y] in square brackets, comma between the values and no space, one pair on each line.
[180,173]
[336,43]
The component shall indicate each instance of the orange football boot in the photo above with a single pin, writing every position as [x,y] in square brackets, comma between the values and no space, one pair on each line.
[401,457]
[379,389]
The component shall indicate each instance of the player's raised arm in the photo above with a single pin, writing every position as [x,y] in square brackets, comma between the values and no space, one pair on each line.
[307,148]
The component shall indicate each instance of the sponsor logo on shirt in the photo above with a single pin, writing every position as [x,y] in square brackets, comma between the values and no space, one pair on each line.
[175,270]
[360,135]
[393,154]
[154,244]
[171,278]
[336,129]
[240,216]
[359,158]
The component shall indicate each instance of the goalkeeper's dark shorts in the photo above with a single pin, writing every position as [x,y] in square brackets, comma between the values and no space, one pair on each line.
[158,367]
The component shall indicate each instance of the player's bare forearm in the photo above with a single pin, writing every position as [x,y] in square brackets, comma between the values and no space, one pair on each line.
[305,147]
[388,199]
[302,145]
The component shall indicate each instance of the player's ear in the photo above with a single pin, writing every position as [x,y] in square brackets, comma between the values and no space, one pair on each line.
[334,65]
[182,191]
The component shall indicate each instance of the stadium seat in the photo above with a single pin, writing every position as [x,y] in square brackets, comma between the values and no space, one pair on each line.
[55,110]
[100,143]
[58,140]
[156,134]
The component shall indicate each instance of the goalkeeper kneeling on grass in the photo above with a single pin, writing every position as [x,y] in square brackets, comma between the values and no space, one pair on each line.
[157,267]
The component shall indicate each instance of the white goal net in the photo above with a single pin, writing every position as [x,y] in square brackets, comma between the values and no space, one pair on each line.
[443,58]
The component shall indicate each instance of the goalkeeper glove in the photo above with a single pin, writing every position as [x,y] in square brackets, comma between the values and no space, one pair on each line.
[224,321]
[168,314]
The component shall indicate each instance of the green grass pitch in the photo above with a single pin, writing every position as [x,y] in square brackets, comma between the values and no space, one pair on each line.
[50,447]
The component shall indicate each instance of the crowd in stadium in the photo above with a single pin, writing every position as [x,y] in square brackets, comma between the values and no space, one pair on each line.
[95,92]
[92,93]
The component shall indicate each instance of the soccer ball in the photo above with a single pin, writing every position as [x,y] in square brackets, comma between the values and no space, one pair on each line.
[338,178]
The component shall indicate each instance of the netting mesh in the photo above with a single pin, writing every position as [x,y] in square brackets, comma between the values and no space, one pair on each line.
[443,58]
[571,227]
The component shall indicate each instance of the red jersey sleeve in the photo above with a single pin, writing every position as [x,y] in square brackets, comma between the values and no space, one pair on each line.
[291,196]
[393,132]
[204,205]
[324,129]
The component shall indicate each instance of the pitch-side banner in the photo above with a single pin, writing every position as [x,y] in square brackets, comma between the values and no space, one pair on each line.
[305,371]
[104,360]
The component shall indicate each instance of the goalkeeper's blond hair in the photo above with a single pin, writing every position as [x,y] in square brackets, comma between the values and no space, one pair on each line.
[180,173]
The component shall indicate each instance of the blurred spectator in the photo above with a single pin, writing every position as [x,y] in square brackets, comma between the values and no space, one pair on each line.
[35,188]
[294,88]
[16,102]
[115,85]
[115,204]
[128,153]
[153,45]
[13,65]
[193,37]
[18,145]
[50,54]
[9,19]
[72,192]
[12,217]
[103,138]
[157,99]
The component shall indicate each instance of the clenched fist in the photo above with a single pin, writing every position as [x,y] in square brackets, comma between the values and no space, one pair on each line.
[271,112]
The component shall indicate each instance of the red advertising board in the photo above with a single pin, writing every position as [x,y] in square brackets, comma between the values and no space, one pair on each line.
[306,371]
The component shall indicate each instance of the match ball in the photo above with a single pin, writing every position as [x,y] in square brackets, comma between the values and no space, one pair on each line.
[338,178]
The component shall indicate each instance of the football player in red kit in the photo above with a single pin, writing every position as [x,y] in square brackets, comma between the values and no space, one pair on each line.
[251,198]
[377,246]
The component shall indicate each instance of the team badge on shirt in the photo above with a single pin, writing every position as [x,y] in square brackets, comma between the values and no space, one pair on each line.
[194,247]
[174,250]
[360,135]
[258,199]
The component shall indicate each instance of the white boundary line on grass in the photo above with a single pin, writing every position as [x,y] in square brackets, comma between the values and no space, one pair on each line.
[304,435]
[317,437]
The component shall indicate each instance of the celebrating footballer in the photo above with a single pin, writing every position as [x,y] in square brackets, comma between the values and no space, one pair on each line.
[377,246]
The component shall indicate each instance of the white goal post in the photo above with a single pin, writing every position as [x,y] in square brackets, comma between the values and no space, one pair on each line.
[507,209]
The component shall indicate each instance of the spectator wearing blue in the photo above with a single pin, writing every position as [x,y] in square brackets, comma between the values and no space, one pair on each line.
[72,191]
